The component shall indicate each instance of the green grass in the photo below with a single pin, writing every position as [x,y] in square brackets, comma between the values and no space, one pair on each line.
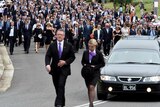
[147,3]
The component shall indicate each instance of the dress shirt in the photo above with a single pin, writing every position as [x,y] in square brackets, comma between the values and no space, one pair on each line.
[11,34]
[76,31]
[62,44]
[107,30]
[98,32]
[134,19]
[27,26]
[152,33]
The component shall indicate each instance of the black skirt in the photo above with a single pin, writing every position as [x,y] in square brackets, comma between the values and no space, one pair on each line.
[90,76]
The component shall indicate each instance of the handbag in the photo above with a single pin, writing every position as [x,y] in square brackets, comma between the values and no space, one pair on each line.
[40,36]
[92,36]
[86,71]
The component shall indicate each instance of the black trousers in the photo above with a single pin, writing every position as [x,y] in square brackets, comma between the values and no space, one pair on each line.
[76,44]
[1,35]
[106,47]
[11,42]
[6,38]
[81,43]
[99,46]
[19,35]
[86,43]
[27,42]
[59,81]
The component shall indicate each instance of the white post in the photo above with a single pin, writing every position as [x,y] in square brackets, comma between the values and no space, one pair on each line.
[156,7]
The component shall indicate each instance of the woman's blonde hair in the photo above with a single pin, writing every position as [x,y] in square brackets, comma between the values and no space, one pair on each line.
[93,42]
[49,24]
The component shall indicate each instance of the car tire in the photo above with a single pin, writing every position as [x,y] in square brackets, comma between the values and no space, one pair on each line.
[101,93]
[102,96]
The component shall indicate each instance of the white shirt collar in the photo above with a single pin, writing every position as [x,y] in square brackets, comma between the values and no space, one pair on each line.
[62,42]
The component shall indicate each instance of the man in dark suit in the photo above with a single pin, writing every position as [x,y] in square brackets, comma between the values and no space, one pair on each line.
[76,37]
[5,28]
[27,32]
[87,32]
[107,38]
[62,55]
[153,31]
[12,37]
[81,28]
[98,35]
[145,30]
[134,19]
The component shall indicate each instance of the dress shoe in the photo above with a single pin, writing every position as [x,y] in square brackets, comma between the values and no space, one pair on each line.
[59,106]
[11,53]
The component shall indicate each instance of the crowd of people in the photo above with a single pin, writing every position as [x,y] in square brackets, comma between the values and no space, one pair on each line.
[40,19]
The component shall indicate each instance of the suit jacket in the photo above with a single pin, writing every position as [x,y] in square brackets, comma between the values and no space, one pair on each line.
[21,25]
[155,31]
[136,18]
[57,24]
[107,37]
[145,33]
[15,32]
[115,14]
[96,34]
[97,61]
[27,32]
[87,31]
[67,55]
[80,32]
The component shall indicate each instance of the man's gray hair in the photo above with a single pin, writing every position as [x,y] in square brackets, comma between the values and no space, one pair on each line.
[61,31]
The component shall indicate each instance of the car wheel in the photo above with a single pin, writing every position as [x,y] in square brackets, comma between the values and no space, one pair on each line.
[101,93]
[102,96]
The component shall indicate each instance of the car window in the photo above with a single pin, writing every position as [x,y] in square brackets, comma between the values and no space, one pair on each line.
[134,55]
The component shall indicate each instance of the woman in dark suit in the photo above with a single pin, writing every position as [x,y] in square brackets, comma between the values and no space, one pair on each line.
[38,36]
[49,34]
[92,61]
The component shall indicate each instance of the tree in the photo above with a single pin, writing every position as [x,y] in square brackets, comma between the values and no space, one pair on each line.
[121,2]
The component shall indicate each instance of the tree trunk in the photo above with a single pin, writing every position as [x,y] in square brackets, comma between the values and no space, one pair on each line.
[114,5]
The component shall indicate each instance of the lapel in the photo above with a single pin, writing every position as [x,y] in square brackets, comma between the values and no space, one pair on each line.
[87,53]
[64,49]
[56,49]
[97,34]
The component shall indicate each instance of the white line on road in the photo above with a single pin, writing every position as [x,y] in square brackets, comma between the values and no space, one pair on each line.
[95,103]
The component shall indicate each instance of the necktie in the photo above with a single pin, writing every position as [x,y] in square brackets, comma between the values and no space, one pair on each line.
[91,55]
[60,50]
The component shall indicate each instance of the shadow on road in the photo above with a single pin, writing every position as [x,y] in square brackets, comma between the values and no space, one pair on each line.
[135,98]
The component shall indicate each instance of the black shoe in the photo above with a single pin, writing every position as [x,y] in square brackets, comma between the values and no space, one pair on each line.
[59,106]
[11,53]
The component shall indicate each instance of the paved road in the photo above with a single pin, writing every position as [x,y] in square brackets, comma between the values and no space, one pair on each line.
[32,86]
